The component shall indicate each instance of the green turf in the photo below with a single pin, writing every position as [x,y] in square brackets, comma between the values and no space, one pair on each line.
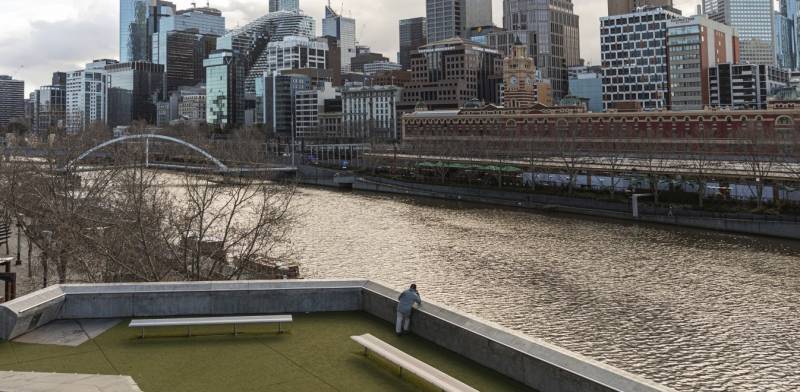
[316,355]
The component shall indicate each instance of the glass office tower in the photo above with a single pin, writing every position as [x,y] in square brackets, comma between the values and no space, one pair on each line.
[134,38]
[344,29]
[753,20]
[413,34]
[224,89]
[284,5]
[133,90]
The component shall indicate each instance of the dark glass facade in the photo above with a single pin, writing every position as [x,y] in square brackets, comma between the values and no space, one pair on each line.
[413,34]
[276,97]
[224,89]
[134,37]
[49,108]
[185,55]
[133,90]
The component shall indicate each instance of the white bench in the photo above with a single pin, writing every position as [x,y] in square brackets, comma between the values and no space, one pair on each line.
[207,321]
[410,364]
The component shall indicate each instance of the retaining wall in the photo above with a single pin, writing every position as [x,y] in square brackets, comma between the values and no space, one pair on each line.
[777,228]
[536,363]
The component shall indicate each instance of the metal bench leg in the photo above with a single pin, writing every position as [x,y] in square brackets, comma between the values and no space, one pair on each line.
[188,331]
[142,333]
[235,333]
[279,328]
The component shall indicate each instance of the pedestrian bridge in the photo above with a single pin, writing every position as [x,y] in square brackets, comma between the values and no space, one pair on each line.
[216,165]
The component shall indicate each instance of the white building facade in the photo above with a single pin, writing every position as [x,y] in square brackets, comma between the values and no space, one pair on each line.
[295,53]
[370,112]
[87,96]
[308,106]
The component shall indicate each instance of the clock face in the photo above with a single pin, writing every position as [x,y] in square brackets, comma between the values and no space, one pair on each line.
[514,81]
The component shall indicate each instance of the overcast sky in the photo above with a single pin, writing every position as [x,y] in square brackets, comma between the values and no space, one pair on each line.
[42,36]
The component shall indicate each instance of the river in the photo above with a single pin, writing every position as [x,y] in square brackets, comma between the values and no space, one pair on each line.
[696,311]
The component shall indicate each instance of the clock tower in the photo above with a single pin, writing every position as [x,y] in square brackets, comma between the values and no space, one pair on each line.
[519,74]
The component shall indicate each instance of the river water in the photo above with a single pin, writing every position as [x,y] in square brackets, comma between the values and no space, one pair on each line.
[693,310]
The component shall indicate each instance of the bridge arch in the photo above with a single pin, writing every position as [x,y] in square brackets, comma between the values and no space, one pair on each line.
[148,137]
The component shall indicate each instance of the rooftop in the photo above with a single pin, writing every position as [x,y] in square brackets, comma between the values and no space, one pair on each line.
[316,355]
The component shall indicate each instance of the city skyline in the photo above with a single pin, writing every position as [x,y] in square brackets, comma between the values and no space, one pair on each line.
[62,29]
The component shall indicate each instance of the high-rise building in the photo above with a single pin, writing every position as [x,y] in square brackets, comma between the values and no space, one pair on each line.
[448,74]
[309,104]
[50,105]
[786,35]
[134,32]
[224,89]
[249,42]
[87,96]
[453,18]
[343,29]
[186,52]
[207,22]
[619,7]
[276,98]
[133,91]
[284,5]
[753,20]
[745,86]
[633,49]
[694,45]
[12,100]
[295,53]
[477,13]
[551,32]
[413,34]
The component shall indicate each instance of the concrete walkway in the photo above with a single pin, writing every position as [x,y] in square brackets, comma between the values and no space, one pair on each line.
[60,382]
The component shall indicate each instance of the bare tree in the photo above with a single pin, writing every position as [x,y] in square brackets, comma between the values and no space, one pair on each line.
[122,221]
[759,151]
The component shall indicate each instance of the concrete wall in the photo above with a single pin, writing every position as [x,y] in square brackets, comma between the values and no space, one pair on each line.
[533,362]
[776,228]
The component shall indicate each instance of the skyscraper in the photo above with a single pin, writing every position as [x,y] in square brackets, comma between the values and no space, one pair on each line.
[550,30]
[696,44]
[284,5]
[12,100]
[413,34]
[87,96]
[619,7]
[453,18]
[753,20]
[250,41]
[633,49]
[224,89]
[134,37]
[786,24]
[133,90]
[344,29]
[205,21]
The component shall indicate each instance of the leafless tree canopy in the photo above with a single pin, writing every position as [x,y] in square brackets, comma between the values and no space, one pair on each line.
[124,221]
